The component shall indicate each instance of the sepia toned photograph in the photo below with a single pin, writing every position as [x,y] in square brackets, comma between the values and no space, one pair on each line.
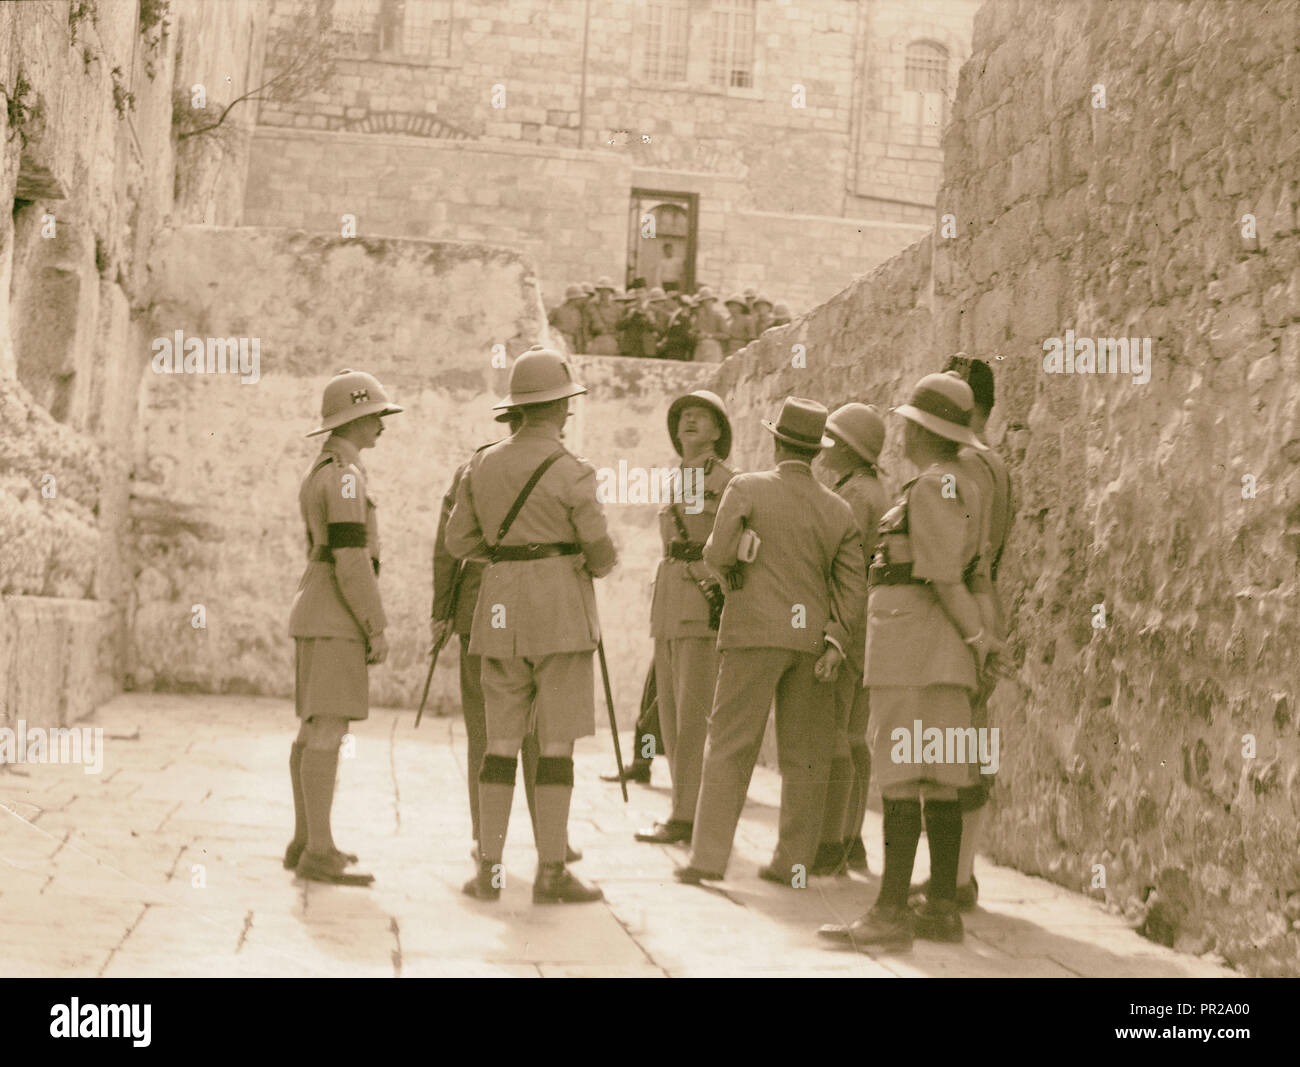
[650,488]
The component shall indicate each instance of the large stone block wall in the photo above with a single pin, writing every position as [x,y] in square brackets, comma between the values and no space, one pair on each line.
[1125,749]
[88,176]
[215,506]
[567,209]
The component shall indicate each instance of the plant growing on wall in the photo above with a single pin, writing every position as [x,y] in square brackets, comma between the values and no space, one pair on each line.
[300,53]
[153,28]
[86,12]
[17,106]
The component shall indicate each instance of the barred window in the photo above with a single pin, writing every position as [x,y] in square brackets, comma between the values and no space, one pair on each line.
[925,91]
[666,35]
[416,29]
[731,58]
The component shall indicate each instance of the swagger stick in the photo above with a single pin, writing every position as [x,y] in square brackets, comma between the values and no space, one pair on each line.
[442,641]
[613,722]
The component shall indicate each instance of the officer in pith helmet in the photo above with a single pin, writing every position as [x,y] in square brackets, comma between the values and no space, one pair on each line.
[337,620]
[687,605]
[530,507]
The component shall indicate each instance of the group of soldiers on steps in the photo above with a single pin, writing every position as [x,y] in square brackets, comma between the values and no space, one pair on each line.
[850,617]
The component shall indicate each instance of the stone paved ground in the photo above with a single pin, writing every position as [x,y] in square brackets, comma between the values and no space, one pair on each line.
[97,873]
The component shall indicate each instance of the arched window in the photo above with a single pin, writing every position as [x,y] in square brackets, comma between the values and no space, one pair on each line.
[925,91]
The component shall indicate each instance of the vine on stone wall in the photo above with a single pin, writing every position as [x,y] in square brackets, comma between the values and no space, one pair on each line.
[17,106]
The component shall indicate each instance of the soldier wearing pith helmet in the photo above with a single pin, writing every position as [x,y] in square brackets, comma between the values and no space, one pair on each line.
[530,506]
[687,604]
[929,637]
[337,620]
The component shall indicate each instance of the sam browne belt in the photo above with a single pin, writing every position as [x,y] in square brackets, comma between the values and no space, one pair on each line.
[504,553]
[686,550]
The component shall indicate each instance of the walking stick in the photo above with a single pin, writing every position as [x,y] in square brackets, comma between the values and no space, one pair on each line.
[613,722]
[442,641]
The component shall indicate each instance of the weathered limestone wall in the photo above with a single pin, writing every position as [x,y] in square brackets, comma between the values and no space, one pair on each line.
[1122,747]
[87,174]
[215,508]
[566,207]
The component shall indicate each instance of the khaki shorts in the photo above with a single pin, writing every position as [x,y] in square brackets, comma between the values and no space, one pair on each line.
[551,695]
[330,678]
[936,706]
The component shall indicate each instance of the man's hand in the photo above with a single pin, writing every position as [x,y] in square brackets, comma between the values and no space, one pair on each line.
[828,665]
[985,650]
[437,631]
[377,650]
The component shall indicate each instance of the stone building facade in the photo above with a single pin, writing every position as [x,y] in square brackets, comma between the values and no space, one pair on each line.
[789,146]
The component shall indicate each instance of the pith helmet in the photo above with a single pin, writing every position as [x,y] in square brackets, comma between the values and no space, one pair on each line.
[942,404]
[657,293]
[573,292]
[604,282]
[349,395]
[736,298]
[860,427]
[802,422]
[539,375]
[702,398]
[704,293]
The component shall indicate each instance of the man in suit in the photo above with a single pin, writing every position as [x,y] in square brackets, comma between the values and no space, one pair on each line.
[337,620]
[682,614]
[531,506]
[859,434]
[794,560]
[455,594]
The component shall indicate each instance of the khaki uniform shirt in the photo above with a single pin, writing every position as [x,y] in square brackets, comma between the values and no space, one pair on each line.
[911,640]
[808,582]
[444,569]
[678,607]
[568,319]
[865,495]
[338,599]
[532,607]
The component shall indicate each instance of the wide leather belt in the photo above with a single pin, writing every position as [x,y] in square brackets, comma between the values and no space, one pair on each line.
[892,574]
[503,553]
[686,550]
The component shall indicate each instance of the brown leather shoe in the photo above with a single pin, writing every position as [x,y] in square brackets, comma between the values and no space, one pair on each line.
[294,850]
[881,927]
[672,832]
[937,920]
[484,885]
[636,771]
[694,876]
[556,884]
[331,869]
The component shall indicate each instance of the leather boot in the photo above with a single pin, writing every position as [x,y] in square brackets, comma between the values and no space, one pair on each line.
[482,886]
[556,884]
[636,771]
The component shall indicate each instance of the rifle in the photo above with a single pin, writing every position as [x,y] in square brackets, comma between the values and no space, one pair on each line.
[442,641]
[613,722]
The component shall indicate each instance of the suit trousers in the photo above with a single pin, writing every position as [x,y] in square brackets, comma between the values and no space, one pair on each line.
[748,680]
[686,669]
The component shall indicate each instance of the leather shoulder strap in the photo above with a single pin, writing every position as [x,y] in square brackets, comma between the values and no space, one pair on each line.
[518,505]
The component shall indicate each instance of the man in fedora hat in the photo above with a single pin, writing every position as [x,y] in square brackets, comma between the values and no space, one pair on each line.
[601,323]
[686,607]
[568,318]
[990,472]
[710,327]
[337,619]
[859,434]
[928,641]
[530,506]
[792,547]
[455,595]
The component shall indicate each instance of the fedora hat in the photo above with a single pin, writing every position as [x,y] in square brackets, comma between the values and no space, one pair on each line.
[942,404]
[604,282]
[861,428]
[802,423]
[350,395]
[701,398]
[539,376]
